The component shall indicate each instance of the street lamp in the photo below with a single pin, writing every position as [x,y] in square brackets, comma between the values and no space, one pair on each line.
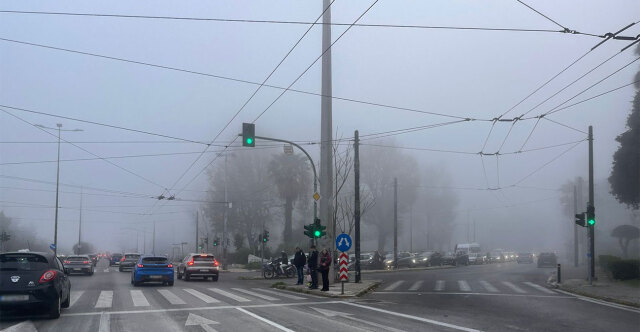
[55,231]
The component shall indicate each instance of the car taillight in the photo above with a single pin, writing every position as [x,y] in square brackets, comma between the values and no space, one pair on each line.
[67,262]
[140,265]
[48,276]
[215,262]
[170,265]
[190,262]
[122,260]
[85,262]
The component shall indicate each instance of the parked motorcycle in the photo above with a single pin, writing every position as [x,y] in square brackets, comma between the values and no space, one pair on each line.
[272,270]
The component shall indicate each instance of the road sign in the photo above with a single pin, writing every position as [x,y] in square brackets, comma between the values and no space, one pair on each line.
[288,149]
[316,196]
[343,242]
[52,246]
[343,272]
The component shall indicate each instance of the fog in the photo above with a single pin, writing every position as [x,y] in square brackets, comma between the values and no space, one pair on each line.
[446,188]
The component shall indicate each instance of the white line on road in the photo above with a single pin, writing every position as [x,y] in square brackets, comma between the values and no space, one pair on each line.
[468,293]
[439,285]
[281,293]
[204,297]
[106,270]
[272,323]
[264,297]
[138,299]
[600,302]
[514,287]
[22,327]
[464,286]
[229,295]
[425,320]
[416,285]
[540,288]
[105,322]
[105,300]
[488,286]
[172,298]
[75,295]
[394,285]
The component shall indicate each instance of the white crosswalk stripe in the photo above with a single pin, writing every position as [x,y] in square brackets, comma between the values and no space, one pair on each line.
[262,296]
[172,298]
[139,300]
[514,287]
[204,297]
[439,285]
[540,288]
[464,286]
[105,300]
[488,286]
[416,285]
[394,285]
[283,294]
[75,295]
[229,295]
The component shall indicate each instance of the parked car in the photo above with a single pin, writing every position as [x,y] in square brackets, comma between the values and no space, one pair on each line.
[525,257]
[476,258]
[33,280]
[128,261]
[427,258]
[78,264]
[462,258]
[199,265]
[404,260]
[449,258]
[115,259]
[152,268]
[547,259]
[94,259]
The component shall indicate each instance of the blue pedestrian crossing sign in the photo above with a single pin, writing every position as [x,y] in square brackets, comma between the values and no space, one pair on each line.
[343,242]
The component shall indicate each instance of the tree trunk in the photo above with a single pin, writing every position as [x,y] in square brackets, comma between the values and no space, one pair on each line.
[288,216]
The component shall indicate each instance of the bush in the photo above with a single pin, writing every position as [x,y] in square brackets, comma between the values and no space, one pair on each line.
[253,266]
[605,261]
[625,269]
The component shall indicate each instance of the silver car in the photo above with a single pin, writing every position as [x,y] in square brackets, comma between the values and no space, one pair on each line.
[78,264]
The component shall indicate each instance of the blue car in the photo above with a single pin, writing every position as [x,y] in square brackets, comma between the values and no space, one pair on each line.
[152,268]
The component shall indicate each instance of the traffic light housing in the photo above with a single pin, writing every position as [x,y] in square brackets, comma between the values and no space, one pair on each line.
[580,220]
[248,134]
[318,229]
[591,215]
[215,242]
[265,237]
[308,230]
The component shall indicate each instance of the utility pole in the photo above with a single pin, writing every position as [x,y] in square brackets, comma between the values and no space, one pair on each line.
[575,227]
[153,250]
[474,231]
[80,223]
[197,239]
[591,229]
[582,247]
[395,223]
[411,229]
[356,207]
[226,207]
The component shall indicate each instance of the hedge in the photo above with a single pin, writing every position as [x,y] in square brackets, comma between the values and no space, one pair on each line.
[625,269]
[605,261]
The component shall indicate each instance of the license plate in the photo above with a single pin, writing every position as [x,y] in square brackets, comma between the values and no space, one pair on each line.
[77,269]
[156,277]
[204,270]
[12,298]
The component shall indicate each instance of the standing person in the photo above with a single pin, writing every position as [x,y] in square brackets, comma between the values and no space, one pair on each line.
[325,263]
[313,267]
[299,260]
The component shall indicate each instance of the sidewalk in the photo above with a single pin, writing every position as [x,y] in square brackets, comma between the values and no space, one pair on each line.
[604,288]
[351,289]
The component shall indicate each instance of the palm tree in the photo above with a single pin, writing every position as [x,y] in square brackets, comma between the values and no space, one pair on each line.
[290,173]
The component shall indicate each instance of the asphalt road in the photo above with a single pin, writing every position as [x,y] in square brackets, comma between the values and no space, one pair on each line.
[506,297]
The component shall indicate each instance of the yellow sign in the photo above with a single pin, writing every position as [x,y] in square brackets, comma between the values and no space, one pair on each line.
[316,196]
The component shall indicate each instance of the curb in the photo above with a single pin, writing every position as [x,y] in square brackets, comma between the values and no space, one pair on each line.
[601,298]
[374,285]
[408,269]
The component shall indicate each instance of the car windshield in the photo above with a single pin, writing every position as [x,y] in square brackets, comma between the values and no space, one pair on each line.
[203,258]
[155,260]
[131,257]
[12,262]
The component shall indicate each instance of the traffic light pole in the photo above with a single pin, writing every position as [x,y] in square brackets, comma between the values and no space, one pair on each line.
[395,223]
[356,207]
[591,229]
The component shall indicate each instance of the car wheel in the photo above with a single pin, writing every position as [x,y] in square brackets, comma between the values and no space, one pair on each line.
[120,269]
[54,309]
[67,302]
[214,278]
[187,277]
[170,283]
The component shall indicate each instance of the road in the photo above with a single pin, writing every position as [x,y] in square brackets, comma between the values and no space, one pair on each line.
[499,297]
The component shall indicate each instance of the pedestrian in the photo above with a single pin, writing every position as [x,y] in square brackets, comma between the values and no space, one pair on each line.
[313,267]
[325,263]
[299,260]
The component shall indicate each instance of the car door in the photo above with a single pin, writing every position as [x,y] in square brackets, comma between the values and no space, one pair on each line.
[63,280]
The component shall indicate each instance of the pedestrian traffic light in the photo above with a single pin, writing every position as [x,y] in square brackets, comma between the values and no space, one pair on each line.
[248,134]
[265,237]
[580,219]
[309,230]
[591,215]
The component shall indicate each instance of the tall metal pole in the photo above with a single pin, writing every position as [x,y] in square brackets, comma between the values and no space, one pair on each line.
[55,231]
[592,253]
[197,222]
[356,207]
[80,222]
[395,223]
[575,227]
[153,250]
[226,207]
[411,230]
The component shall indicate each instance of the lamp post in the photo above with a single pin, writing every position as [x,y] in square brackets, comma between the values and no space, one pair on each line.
[55,231]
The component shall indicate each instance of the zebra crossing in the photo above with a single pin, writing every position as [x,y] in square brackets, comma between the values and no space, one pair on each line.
[107,299]
[466,286]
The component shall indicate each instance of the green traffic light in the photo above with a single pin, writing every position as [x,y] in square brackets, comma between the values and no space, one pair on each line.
[249,140]
[591,222]
[316,233]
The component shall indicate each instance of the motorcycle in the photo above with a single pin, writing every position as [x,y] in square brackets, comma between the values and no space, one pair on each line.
[272,269]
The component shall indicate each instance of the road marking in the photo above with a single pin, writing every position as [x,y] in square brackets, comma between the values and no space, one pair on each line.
[331,313]
[75,295]
[194,319]
[172,298]
[204,297]
[439,285]
[394,285]
[229,295]
[488,286]
[283,294]
[481,294]
[514,287]
[272,323]
[264,297]
[22,327]
[138,299]
[416,285]
[105,322]
[464,286]
[106,270]
[600,302]
[540,288]
[425,320]
[105,300]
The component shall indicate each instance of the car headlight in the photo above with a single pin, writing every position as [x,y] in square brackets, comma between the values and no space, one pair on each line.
[413,260]
[425,259]
[388,261]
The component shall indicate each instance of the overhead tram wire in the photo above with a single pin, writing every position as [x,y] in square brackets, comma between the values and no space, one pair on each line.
[564,125]
[545,16]
[548,162]
[237,80]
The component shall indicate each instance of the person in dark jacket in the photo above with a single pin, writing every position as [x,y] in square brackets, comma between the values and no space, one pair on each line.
[325,263]
[299,260]
[313,267]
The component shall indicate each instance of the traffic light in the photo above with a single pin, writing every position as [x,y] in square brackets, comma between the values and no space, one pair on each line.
[309,230]
[591,215]
[265,236]
[580,219]
[200,246]
[318,229]
[248,134]
[215,242]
